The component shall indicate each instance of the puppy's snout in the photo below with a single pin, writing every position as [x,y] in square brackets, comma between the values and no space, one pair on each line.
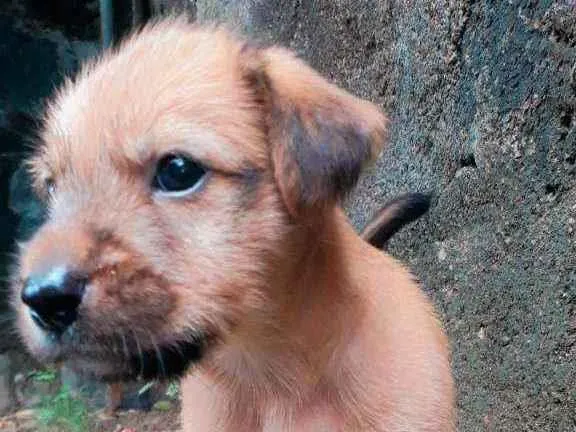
[53,298]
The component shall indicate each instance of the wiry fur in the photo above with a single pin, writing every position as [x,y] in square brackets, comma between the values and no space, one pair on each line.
[303,325]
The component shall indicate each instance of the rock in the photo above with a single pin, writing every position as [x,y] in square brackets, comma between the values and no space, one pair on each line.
[7,425]
[76,19]
[20,421]
[171,6]
[482,103]
[442,254]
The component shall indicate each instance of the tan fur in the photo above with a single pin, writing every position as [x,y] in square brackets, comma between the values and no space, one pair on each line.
[311,328]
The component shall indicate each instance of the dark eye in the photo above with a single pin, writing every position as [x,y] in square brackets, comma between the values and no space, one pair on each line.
[177,174]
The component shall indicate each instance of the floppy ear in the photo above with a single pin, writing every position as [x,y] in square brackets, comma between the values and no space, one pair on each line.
[321,136]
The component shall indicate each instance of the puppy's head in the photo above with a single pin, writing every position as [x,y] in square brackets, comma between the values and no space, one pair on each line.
[179,172]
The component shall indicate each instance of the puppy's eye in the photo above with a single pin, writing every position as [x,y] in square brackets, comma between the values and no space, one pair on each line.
[177,174]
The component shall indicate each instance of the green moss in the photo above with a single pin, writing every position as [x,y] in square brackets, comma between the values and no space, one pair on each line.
[63,412]
[47,376]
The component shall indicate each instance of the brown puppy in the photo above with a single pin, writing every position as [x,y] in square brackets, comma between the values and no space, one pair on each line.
[384,224]
[193,183]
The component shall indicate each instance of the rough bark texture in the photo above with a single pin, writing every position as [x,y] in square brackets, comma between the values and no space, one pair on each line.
[482,98]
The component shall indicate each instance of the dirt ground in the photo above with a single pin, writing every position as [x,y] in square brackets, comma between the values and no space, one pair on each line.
[50,399]
[124,421]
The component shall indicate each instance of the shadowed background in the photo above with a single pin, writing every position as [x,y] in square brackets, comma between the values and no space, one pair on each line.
[482,101]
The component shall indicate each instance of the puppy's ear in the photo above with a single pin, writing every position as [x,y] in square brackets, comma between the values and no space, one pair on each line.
[321,136]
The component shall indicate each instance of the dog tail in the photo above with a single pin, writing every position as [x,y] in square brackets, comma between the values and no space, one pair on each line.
[401,211]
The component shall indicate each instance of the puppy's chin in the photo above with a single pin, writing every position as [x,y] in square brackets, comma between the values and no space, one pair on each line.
[164,362]
[117,358]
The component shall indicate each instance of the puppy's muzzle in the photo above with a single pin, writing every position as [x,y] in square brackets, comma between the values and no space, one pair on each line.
[53,298]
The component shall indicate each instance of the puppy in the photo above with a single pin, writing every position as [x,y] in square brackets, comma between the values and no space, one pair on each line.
[193,182]
[386,222]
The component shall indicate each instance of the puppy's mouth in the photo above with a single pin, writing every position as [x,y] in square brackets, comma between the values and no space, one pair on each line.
[120,358]
[162,362]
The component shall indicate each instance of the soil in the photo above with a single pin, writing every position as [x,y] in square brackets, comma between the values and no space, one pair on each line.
[123,421]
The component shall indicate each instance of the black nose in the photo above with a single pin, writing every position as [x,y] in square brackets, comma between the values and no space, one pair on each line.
[54,298]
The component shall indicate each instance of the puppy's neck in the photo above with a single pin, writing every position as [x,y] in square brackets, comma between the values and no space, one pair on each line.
[296,342]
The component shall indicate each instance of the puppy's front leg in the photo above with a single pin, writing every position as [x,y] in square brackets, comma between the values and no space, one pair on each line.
[114,393]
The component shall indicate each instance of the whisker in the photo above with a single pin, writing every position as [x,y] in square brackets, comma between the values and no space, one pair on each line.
[125,346]
[140,353]
[158,355]
[176,346]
